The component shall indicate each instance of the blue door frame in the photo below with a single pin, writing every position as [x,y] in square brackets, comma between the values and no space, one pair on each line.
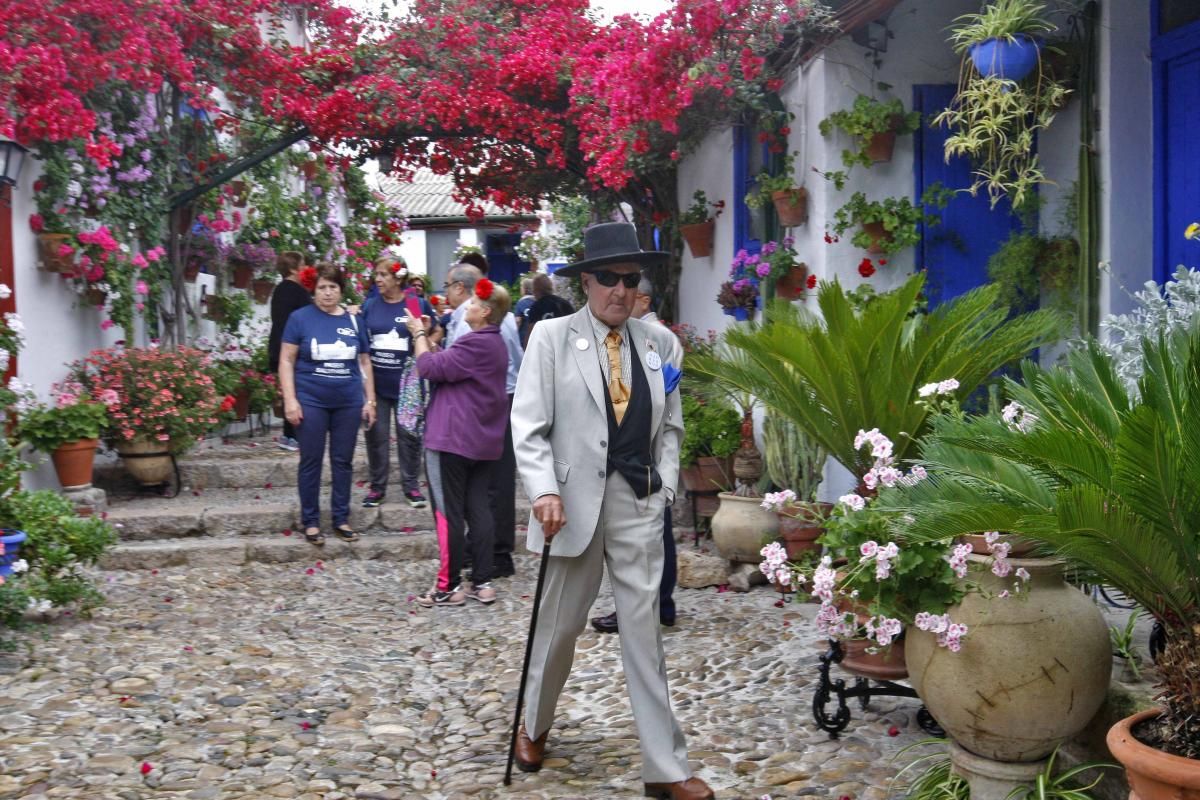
[1175,60]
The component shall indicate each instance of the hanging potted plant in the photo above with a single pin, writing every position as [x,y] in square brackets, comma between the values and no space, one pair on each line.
[890,225]
[246,260]
[56,244]
[68,430]
[1004,39]
[697,224]
[874,124]
[790,201]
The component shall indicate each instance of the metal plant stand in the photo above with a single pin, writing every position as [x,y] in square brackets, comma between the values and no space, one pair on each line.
[829,690]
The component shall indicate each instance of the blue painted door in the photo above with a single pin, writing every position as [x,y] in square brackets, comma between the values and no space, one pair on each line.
[1177,162]
[504,264]
[955,252]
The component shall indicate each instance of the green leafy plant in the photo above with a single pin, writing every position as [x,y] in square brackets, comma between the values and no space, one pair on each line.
[1123,646]
[845,371]
[866,118]
[901,220]
[794,460]
[229,311]
[46,428]
[699,211]
[999,19]
[938,781]
[1028,264]
[768,182]
[1105,479]
[710,428]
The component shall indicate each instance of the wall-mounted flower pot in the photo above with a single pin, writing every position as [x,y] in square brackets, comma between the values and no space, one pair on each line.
[792,285]
[73,462]
[94,296]
[309,168]
[1001,58]
[881,146]
[262,289]
[50,259]
[791,206]
[879,236]
[243,273]
[239,192]
[699,237]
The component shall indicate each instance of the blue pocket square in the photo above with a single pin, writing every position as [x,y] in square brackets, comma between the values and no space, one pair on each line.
[671,376]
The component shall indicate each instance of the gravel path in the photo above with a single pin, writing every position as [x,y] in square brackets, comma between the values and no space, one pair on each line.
[317,680]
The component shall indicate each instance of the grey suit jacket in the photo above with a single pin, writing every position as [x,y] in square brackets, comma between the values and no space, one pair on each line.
[560,426]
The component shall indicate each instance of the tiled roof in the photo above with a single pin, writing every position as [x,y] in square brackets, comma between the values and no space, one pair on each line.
[428,195]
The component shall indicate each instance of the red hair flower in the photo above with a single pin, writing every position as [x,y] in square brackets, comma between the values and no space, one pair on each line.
[308,278]
[398,268]
[484,289]
[435,300]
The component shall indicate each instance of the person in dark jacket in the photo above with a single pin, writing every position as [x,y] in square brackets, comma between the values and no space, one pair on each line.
[465,428]
[288,296]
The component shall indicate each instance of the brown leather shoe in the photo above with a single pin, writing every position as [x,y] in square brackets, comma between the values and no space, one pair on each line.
[691,789]
[530,752]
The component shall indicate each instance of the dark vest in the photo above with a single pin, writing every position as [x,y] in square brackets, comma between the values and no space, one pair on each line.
[629,443]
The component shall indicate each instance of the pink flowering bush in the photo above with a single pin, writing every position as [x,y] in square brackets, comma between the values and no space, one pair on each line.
[164,395]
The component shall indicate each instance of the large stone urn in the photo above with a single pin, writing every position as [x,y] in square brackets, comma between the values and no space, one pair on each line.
[1033,669]
[740,527]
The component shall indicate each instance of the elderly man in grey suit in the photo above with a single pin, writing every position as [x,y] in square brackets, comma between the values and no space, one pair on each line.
[596,427]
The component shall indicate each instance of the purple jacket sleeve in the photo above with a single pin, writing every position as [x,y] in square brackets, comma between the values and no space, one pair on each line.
[454,364]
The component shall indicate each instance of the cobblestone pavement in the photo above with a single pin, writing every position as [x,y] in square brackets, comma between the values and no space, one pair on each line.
[319,680]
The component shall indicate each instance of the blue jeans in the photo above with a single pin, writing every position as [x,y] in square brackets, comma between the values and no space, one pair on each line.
[340,426]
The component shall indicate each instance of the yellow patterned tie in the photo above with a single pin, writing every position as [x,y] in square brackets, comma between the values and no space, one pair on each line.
[618,392]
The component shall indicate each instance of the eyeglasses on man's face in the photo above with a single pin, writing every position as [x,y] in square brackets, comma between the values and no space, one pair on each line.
[446,286]
[608,278]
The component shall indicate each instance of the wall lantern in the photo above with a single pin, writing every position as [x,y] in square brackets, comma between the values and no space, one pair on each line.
[12,158]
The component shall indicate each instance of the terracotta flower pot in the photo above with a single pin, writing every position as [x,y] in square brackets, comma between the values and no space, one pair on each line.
[791,206]
[1152,773]
[309,168]
[699,237]
[885,664]
[799,534]
[879,235]
[94,297]
[792,285]
[262,289]
[147,460]
[242,275]
[708,474]
[49,259]
[881,146]
[241,404]
[73,462]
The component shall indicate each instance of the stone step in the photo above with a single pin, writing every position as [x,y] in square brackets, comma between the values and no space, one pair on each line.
[242,512]
[267,548]
[249,465]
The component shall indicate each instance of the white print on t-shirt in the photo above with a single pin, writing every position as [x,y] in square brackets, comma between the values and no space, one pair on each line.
[333,351]
[389,341]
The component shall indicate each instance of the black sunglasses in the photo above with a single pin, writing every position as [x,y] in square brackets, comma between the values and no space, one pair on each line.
[609,278]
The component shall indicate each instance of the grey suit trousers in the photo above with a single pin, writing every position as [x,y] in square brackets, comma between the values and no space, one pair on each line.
[629,540]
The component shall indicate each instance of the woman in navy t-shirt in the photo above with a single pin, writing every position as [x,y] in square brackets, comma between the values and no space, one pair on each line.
[397,386]
[328,390]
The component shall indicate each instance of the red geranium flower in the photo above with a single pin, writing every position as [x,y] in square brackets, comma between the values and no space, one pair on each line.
[484,289]
[308,278]
[228,403]
[812,282]
[36,223]
[866,268]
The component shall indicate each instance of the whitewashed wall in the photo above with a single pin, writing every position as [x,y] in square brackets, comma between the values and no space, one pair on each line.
[918,53]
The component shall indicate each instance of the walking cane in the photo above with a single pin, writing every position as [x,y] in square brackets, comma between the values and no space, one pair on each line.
[537,602]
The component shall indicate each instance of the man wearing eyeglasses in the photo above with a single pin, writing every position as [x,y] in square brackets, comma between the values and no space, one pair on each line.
[597,426]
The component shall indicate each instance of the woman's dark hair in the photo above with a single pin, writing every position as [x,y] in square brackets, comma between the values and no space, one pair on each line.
[332,273]
[475,260]
[287,262]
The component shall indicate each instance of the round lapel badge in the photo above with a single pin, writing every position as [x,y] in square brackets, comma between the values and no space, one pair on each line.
[581,344]
[652,360]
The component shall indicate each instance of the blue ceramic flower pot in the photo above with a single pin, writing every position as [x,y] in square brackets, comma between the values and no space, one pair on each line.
[1001,58]
[741,314]
[12,545]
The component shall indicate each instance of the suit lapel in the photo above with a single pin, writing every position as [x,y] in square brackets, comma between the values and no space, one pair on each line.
[587,360]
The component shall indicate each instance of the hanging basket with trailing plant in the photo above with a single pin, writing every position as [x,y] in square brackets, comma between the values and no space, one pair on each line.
[791,206]
[55,252]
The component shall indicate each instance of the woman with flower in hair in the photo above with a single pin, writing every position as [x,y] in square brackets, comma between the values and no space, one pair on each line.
[398,389]
[464,437]
[289,295]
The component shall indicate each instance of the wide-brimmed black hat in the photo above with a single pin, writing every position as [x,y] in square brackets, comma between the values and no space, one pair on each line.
[611,243]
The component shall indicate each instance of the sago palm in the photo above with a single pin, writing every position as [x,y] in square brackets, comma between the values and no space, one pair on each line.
[1110,484]
[844,371]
